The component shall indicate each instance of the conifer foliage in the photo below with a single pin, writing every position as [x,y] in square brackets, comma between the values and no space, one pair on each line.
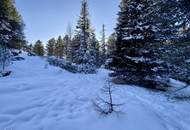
[111,46]
[133,63]
[11,30]
[50,47]
[59,48]
[85,42]
[103,44]
[141,28]
[39,48]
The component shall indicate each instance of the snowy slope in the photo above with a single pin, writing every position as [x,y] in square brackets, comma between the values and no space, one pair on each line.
[41,97]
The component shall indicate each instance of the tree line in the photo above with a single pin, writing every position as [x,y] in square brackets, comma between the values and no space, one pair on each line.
[81,48]
[148,47]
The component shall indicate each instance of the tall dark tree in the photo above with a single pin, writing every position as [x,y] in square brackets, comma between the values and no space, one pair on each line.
[59,47]
[39,48]
[68,43]
[103,44]
[132,62]
[83,33]
[111,45]
[85,40]
[50,47]
[11,29]
[73,48]
[170,18]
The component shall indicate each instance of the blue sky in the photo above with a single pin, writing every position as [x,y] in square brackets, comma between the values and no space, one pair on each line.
[45,19]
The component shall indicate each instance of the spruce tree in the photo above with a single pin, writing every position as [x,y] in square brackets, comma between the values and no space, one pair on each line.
[170,19]
[84,41]
[98,54]
[59,47]
[83,33]
[50,47]
[132,62]
[68,43]
[103,45]
[111,45]
[39,48]
[11,29]
[93,58]
[73,48]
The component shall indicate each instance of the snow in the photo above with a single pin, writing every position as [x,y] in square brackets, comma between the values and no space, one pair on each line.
[138,59]
[42,97]
[4,26]
[187,61]
[179,23]
[131,37]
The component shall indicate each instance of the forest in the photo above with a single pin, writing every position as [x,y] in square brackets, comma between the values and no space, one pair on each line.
[145,60]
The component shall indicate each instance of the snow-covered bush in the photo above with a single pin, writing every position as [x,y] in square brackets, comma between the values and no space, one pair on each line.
[62,63]
[87,68]
[71,67]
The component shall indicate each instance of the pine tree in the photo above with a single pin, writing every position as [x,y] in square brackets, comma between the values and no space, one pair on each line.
[170,18]
[82,33]
[68,43]
[67,46]
[93,52]
[51,47]
[98,54]
[103,45]
[11,29]
[59,47]
[132,62]
[111,45]
[84,42]
[39,48]
[13,25]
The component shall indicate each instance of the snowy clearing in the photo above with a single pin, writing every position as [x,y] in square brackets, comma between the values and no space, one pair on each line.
[41,97]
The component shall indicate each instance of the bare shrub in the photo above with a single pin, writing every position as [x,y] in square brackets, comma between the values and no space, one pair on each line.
[106,106]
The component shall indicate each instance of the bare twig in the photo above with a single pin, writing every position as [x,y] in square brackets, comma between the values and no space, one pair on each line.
[103,106]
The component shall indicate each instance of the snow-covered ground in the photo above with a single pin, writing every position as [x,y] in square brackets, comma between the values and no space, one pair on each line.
[41,97]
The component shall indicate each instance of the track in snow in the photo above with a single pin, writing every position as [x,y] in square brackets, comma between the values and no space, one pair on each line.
[38,98]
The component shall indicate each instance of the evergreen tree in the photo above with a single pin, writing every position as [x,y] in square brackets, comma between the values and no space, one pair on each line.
[73,48]
[98,54]
[82,33]
[11,29]
[132,62]
[39,48]
[85,41]
[111,45]
[103,45]
[68,43]
[170,19]
[93,51]
[59,47]
[51,47]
